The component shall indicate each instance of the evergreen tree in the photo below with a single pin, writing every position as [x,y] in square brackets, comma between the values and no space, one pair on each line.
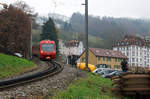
[49,32]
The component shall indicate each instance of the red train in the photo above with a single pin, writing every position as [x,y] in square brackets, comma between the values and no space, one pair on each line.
[46,50]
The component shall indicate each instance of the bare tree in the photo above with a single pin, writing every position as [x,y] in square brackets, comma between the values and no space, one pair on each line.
[24,7]
[15,30]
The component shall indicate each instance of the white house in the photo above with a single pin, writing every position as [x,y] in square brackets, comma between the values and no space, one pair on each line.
[70,48]
[136,49]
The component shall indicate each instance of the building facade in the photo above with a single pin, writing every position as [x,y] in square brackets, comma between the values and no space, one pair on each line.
[71,48]
[136,49]
[98,56]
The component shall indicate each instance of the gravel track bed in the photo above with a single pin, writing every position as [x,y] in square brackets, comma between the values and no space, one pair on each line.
[44,87]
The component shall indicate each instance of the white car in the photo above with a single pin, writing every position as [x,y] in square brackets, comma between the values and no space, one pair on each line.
[98,70]
[105,72]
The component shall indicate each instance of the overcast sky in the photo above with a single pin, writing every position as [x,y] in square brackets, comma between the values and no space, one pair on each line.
[115,8]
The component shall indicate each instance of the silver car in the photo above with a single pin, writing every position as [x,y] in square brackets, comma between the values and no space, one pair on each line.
[105,72]
[98,70]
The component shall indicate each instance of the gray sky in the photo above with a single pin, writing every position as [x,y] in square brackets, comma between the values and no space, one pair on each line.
[115,8]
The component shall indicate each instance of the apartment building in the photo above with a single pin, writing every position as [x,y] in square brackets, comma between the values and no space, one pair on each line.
[136,49]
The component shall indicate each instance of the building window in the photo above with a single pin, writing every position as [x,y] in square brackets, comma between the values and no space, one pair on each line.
[127,53]
[133,53]
[99,58]
[127,48]
[137,60]
[133,47]
[145,58]
[83,59]
[133,60]
[108,59]
[119,60]
[104,58]
[118,48]
[117,66]
[140,53]
[115,59]
[127,43]
[133,64]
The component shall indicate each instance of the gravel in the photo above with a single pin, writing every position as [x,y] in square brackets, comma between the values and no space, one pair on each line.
[45,86]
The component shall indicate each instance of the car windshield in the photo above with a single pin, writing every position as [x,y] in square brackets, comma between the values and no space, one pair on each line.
[47,47]
[99,70]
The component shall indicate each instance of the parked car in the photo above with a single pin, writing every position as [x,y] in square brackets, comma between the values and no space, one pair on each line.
[104,72]
[114,73]
[99,70]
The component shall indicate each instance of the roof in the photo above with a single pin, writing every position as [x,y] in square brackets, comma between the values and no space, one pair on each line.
[72,43]
[107,53]
[132,40]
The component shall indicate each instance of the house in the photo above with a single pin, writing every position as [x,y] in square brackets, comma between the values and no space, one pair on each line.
[137,50]
[104,56]
[71,48]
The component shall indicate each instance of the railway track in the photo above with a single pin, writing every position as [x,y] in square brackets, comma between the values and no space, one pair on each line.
[52,70]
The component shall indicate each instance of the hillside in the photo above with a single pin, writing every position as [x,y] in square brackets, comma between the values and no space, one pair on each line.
[11,65]
[103,31]
[108,29]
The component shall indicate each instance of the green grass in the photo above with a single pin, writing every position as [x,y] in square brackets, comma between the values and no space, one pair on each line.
[11,65]
[92,87]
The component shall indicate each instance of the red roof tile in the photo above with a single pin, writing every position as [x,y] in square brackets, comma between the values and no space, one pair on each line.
[107,53]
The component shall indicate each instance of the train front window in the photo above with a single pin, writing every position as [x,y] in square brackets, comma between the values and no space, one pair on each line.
[47,47]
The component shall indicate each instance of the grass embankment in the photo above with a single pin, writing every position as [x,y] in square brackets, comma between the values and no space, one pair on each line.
[92,87]
[11,65]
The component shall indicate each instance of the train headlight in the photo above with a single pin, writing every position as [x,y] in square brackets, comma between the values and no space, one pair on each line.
[41,51]
[48,58]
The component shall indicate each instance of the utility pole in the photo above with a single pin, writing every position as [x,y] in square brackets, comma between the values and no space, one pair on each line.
[31,39]
[31,20]
[86,33]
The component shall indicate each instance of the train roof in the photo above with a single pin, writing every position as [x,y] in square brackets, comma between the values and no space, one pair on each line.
[47,41]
